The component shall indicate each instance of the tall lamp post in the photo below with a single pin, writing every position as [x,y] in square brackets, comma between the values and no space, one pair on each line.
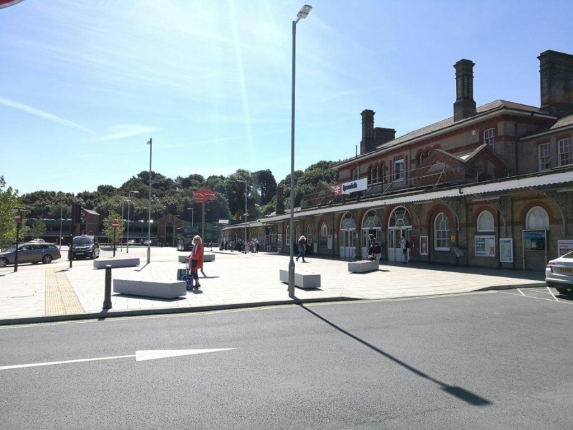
[302,14]
[128,219]
[192,212]
[150,143]
[246,214]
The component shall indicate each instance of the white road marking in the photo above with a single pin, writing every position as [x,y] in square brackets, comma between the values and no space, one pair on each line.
[139,356]
[551,292]
[154,355]
[520,291]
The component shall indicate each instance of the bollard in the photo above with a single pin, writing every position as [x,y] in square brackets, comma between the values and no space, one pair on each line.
[107,298]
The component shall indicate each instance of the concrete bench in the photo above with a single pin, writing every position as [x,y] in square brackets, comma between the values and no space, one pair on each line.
[206,258]
[304,280]
[164,290]
[119,262]
[363,266]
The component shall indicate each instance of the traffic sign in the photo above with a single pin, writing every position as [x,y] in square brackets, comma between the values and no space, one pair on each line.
[115,224]
[17,216]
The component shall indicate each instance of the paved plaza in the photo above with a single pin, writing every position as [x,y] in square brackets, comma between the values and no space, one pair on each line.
[55,292]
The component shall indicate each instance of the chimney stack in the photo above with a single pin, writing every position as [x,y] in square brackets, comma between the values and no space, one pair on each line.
[384,135]
[556,73]
[368,143]
[465,106]
[280,205]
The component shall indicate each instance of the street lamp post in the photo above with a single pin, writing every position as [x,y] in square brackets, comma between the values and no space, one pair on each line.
[246,214]
[303,13]
[150,143]
[192,214]
[128,219]
[61,213]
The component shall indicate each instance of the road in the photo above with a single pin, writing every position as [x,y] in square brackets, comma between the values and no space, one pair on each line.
[496,360]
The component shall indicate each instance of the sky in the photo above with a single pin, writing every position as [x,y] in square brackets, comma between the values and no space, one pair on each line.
[86,83]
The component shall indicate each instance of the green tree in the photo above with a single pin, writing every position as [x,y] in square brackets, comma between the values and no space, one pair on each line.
[9,200]
[37,229]
[109,231]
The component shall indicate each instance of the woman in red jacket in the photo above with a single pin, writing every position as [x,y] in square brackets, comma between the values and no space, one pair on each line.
[195,260]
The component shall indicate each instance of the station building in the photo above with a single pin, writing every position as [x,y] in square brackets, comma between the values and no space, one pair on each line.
[490,186]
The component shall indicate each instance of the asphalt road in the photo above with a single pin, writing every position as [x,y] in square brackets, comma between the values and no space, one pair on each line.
[497,360]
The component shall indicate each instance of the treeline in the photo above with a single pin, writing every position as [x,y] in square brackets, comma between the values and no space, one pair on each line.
[168,196]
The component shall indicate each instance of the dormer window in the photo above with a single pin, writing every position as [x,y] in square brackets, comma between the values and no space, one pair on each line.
[489,137]
[564,152]
[399,170]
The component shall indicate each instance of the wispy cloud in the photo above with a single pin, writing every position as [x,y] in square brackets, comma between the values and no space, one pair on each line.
[37,112]
[126,130]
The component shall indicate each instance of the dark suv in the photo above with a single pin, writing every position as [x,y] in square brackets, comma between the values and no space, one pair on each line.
[84,247]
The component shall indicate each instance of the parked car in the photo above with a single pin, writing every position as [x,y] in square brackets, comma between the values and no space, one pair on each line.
[37,241]
[131,242]
[154,242]
[30,253]
[84,247]
[559,274]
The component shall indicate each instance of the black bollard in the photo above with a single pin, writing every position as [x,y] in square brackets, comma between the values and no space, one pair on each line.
[107,298]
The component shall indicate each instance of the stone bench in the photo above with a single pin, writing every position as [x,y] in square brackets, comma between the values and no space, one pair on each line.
[119,262]
[363,266]
[163,290]
[206,258]
[304,280]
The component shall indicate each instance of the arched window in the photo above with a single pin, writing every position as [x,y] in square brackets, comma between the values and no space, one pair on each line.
[287,235]
[323,230]
[485,222]
[400,218]
[441,232]
[347,222]
[537,219]
[297,235]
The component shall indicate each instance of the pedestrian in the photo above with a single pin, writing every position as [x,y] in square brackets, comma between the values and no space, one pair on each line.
[195,260]
[374,248]
[404,244]
[301,248]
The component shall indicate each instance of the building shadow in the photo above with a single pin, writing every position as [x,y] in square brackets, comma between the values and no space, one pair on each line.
[459,392]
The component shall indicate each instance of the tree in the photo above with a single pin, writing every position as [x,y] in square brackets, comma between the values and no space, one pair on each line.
[265,184]
[38,229]
[108,230]
[9,200]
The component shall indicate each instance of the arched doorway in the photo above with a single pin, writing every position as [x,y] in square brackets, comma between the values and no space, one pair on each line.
[371,224]
[399,225]
[347,236]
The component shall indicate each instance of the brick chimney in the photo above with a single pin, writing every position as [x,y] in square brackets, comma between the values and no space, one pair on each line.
[280,204]
[384,135]
[556,73]
[464,106]
[368,142]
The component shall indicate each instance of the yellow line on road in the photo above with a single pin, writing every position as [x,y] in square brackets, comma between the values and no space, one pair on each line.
[61,298]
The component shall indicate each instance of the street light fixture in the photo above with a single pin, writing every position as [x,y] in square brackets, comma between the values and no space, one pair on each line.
[150,143]
[302,14]
[128,221]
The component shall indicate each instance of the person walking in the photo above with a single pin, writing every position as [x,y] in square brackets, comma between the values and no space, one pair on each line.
[195,261]
[301,248]
[374,248]
[404,245]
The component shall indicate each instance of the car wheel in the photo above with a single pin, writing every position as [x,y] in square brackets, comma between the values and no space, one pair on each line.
[3,262]
[567,291]
[47,259]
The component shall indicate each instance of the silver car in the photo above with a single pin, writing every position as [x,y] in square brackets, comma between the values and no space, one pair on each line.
[30,253]
[559,274]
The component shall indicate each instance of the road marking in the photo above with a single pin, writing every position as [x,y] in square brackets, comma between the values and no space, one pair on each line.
[154,355]
[139,356]
[551,292]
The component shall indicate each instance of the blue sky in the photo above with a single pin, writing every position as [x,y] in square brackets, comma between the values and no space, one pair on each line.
[86,83]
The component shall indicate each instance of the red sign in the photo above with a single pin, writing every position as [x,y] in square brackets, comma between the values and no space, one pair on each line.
[203,195]
[17,217]
[115,224]
[7,3]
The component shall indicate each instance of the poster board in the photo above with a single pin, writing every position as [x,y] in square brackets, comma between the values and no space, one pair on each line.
[423,245]
[564,246]
[485,246]
[506,250]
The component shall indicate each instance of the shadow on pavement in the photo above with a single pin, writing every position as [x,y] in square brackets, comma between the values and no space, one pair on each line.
[460,393]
